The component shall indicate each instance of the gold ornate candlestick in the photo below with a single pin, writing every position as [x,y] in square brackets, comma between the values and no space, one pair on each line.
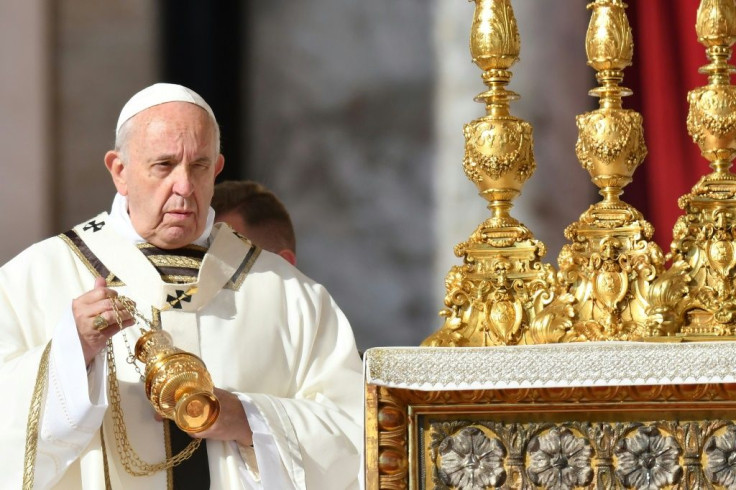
[697,294]
[502,283]
[607,269]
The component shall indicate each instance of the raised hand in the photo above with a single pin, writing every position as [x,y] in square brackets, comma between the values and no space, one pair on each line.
[96,320]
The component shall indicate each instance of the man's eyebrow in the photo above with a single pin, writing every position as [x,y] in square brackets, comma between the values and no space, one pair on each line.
[168,157]
[163,158]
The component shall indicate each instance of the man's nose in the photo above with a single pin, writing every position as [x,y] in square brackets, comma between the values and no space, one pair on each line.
[182,181]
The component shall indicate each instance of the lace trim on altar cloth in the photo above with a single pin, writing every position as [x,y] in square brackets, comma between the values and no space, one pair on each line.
[551,365]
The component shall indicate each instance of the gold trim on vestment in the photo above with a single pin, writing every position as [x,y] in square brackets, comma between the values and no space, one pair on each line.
[105,464]
[196,248]
[78,253]
[109,280]
[34,416]
[167,443]
[175,261]
[239,276]
[177,279]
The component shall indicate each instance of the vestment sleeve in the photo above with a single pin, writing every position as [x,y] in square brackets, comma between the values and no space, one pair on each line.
[71,410]
[317,431]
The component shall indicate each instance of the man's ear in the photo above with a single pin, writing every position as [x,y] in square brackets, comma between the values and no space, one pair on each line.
[116,167]
[289,256]
[219,164]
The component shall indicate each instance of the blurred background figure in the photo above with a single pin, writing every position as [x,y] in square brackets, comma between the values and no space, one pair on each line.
[256,213]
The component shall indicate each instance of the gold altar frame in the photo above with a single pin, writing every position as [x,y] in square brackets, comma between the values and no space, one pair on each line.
[397,457]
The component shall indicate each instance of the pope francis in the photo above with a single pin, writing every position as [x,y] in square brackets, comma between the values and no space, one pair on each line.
[282,359]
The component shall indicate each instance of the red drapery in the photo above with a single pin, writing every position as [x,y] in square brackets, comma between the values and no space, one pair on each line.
[667,56]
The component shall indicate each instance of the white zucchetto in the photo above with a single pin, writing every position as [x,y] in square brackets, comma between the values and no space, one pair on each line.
[160,93]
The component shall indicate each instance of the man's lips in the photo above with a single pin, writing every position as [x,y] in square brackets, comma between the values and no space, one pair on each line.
[180,214]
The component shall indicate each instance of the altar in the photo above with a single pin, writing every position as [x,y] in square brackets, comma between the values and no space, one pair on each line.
[649,415]
[615,370]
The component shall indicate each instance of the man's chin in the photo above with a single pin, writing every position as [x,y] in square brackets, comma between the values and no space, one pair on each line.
[173,238]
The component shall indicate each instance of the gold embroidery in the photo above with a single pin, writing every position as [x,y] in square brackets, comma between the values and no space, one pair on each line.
[177,279]
[175,261]
[194,248]
[105,465]
[237,280]
[167,443]
[34,417]
[111,280]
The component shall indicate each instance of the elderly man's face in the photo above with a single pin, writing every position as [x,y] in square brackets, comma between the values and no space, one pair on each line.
[169,174]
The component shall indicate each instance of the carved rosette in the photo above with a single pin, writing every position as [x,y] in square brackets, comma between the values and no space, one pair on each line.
[502,283]
[464,454]
[469,458]
[701,302]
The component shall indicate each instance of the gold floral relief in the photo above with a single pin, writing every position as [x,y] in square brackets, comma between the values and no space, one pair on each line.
[668,436]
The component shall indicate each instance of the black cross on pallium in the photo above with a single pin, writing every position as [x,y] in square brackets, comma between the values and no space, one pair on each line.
[175,301]
[94,225]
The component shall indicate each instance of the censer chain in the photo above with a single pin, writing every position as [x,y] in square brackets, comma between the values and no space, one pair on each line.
[130,460]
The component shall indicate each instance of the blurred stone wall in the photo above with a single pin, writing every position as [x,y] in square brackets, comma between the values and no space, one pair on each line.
[104,53]
[341,108]
[69,67]
[25,170]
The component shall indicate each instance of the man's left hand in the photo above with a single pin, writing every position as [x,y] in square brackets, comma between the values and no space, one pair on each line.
[231,424]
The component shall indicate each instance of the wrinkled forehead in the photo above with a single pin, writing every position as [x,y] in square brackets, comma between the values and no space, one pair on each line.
[169,123]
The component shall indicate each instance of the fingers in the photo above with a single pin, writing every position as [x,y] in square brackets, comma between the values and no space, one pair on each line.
[100,282]
[97,318]
[231,424]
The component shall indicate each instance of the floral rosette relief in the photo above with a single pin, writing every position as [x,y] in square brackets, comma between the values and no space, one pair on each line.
[471,459]
[648,459]
[559,459]
[720,458]
[485,454]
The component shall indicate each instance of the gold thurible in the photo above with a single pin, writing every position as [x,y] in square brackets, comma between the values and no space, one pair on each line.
[492,297]
[177,383]
[607,269]
[696,295]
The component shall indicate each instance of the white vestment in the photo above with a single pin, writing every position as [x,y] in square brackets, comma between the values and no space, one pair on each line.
[265,332]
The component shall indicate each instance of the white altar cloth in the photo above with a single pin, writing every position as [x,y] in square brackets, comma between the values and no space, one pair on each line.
[551,365]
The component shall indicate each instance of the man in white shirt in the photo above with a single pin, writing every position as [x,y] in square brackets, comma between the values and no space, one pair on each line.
[280,352]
